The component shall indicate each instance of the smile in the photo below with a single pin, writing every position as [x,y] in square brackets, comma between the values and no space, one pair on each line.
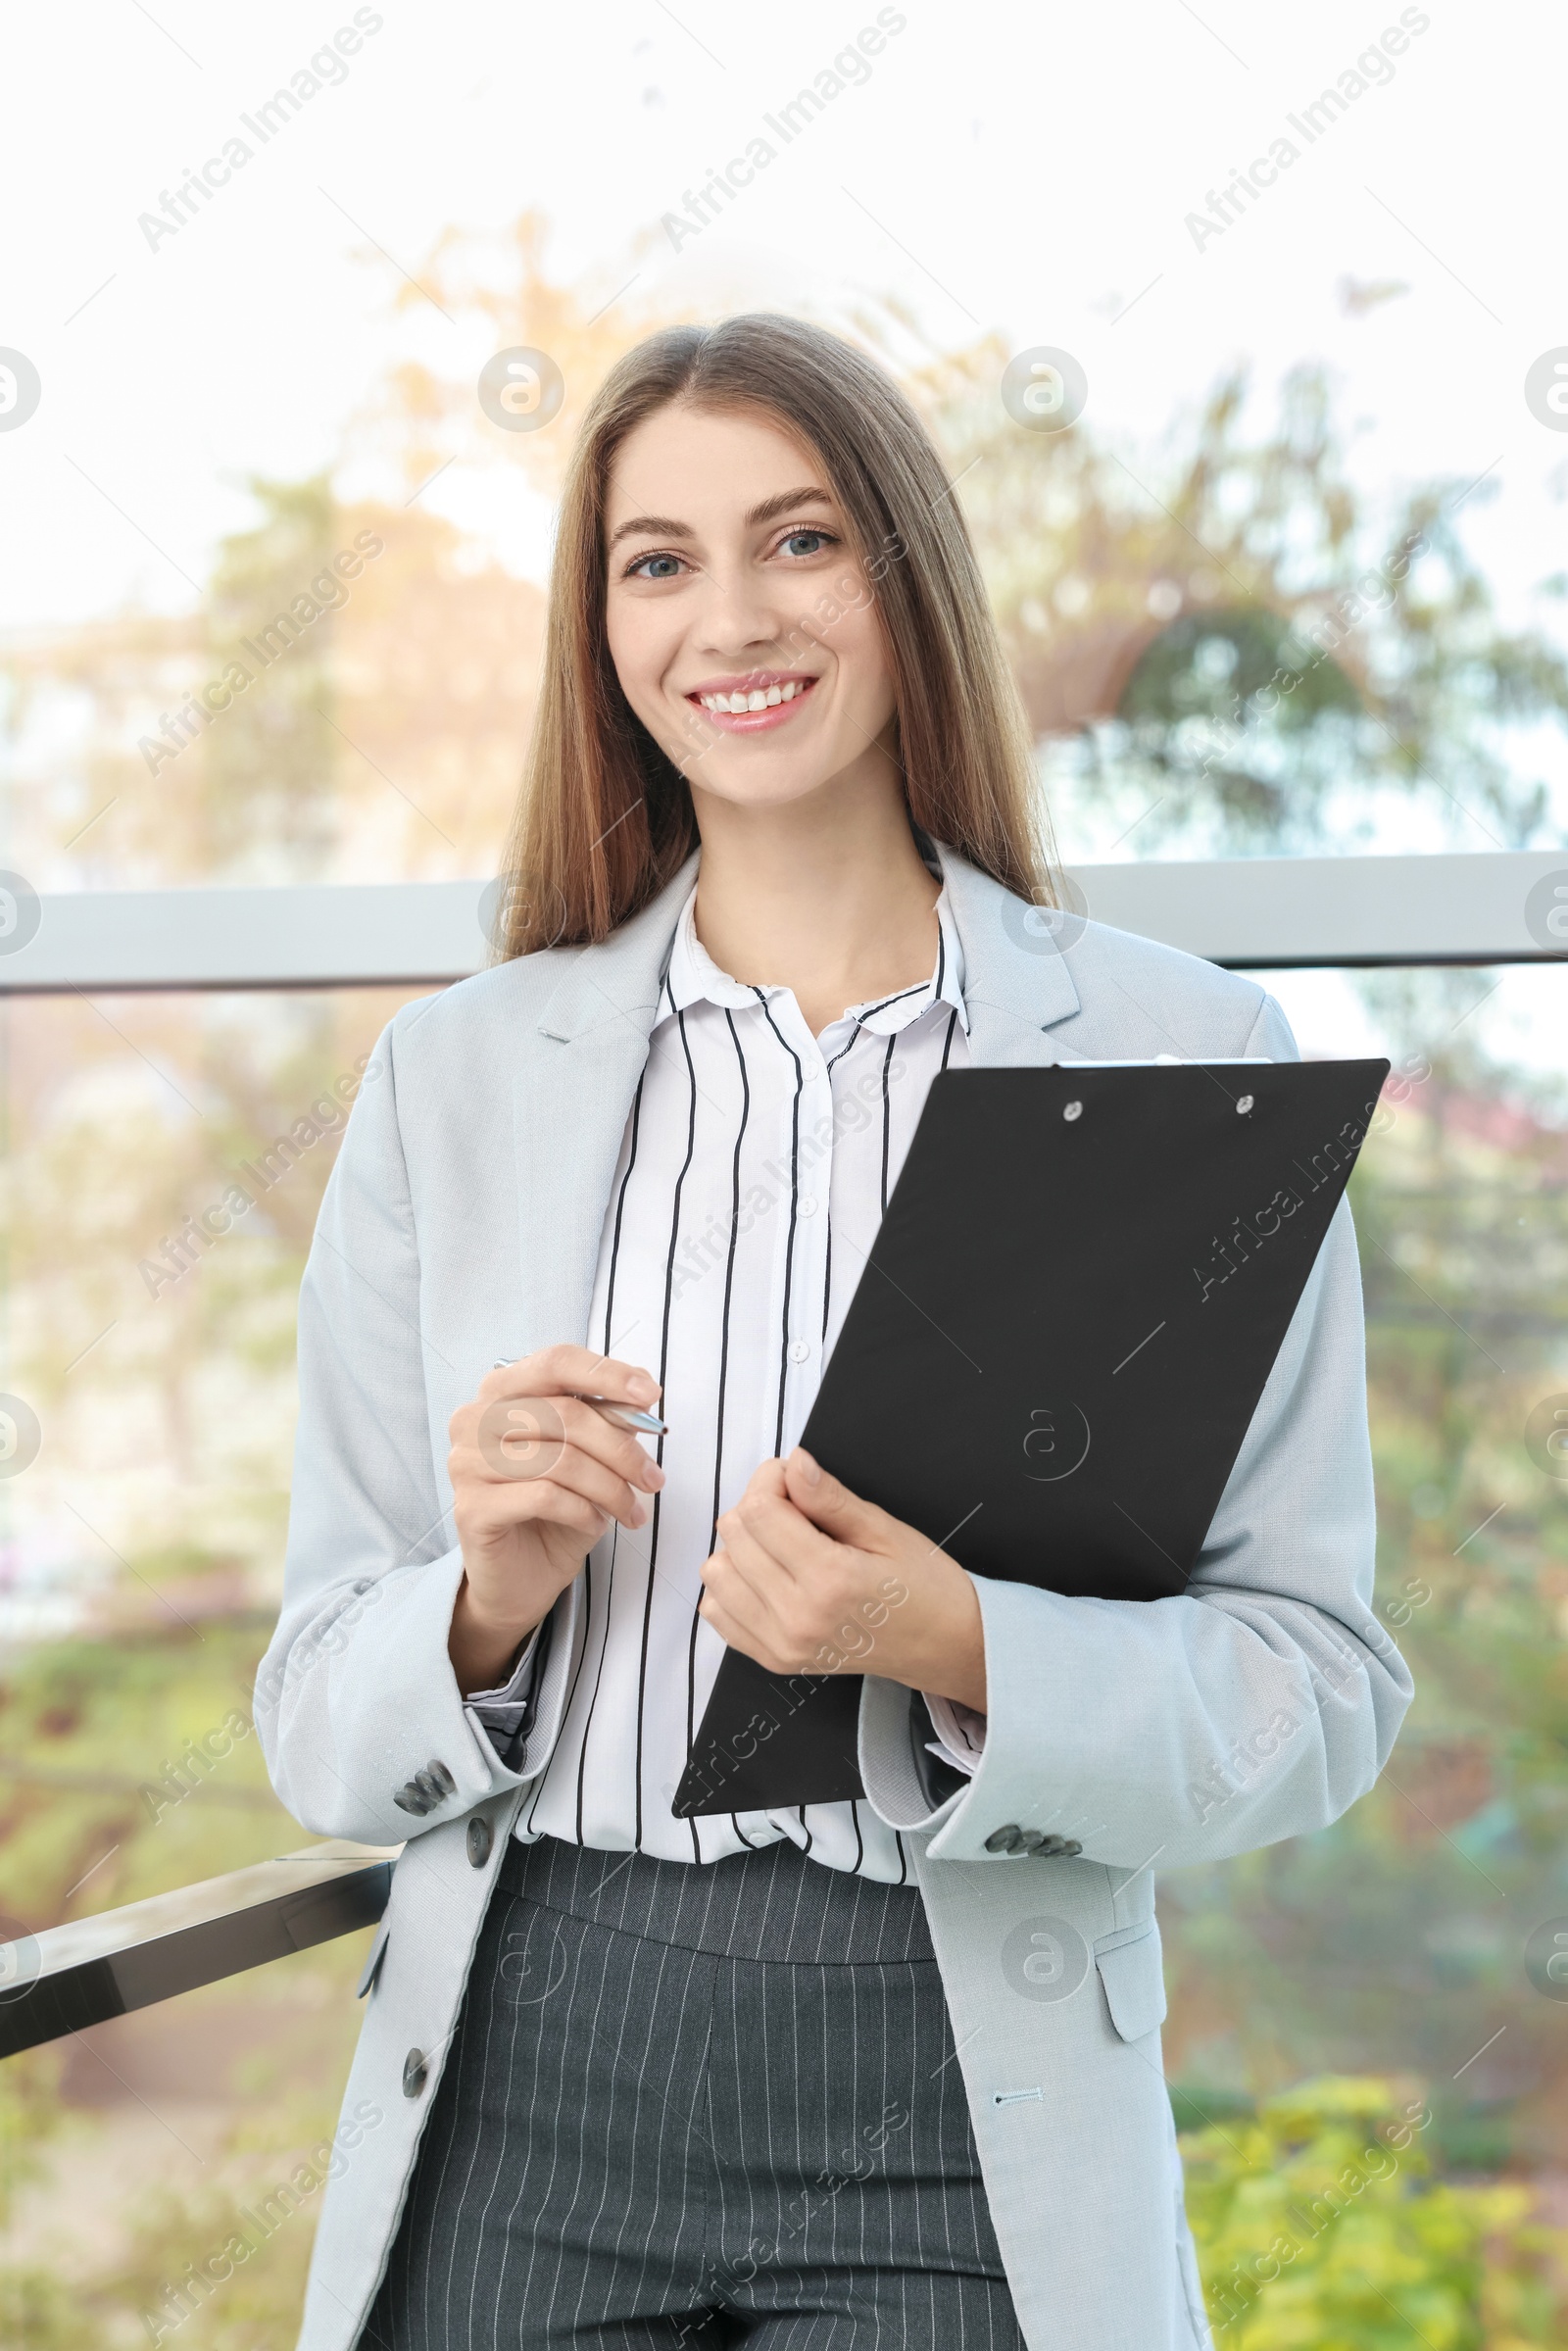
[748,706]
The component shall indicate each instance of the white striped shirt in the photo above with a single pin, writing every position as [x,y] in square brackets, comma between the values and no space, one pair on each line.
[757,1163]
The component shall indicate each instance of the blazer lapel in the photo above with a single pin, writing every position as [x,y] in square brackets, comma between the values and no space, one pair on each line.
[572,1096]
[578,1071]
[1016,982]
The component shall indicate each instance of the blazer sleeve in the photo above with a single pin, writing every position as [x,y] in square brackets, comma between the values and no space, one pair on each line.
[1258,1704]
[366,1733]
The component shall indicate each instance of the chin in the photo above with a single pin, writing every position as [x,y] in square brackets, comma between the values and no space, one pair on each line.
[752,786]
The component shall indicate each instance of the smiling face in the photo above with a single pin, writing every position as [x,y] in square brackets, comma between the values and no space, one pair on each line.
[741,626]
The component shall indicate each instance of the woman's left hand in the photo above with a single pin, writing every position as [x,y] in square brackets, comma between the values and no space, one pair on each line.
[812,1580]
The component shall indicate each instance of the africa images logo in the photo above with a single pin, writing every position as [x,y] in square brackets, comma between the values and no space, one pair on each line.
[1374,69]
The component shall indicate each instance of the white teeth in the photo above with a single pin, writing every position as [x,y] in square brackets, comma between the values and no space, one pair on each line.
[759,699]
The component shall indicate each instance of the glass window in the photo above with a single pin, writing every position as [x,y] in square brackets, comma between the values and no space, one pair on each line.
[1420,1944]
[167,1155]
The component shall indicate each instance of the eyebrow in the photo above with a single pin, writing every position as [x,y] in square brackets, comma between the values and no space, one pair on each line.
[661,526]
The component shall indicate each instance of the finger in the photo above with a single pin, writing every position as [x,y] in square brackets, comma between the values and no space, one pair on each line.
[743,1615]
[729,1593]
[524,1436]
[739,1579]
[517,1436]
[829,1504]
[580,1473]
[568,1470]
[740,1614]
[750,1551]
[617,1448]
[571,1371]
[489,1510]
[800,1551]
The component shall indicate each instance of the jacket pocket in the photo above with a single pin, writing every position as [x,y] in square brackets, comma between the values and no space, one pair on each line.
[1133,1977]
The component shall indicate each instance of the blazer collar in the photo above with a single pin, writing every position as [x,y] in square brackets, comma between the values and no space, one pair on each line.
[617,984]
[573,1091]
[1016,981]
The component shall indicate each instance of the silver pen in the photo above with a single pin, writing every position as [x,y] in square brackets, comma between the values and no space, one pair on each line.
[621,1416]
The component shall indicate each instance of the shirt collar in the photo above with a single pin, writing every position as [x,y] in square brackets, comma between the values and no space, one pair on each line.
[692,977]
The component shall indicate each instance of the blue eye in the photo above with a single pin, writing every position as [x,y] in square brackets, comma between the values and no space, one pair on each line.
[792,544]
[655,567]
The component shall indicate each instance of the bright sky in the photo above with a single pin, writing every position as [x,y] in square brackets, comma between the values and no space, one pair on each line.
[1014,166]
[1018,166]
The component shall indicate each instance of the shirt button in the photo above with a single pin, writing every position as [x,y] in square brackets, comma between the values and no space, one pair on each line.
[807,1205]
[799,1348]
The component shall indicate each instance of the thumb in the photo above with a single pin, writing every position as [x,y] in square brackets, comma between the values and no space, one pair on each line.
[829,1504]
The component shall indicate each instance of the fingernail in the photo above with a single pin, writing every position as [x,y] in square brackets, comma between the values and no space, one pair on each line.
[814,1473]
[655,1476]
[641,1388]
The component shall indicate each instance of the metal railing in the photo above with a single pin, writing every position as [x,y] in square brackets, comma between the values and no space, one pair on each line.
[1250,914]
[65,1978]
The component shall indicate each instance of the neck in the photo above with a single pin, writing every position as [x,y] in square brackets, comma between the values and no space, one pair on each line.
[826,895]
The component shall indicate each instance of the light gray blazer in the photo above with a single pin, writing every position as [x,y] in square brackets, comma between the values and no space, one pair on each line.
[462,1223]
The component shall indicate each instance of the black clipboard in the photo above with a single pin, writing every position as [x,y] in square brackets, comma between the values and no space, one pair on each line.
[1054,1349]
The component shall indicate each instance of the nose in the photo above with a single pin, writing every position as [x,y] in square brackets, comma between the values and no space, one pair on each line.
[743,615]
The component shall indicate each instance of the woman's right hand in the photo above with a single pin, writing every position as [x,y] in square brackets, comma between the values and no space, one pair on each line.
[537,1476]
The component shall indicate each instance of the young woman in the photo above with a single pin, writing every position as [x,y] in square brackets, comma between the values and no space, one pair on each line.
[883,2072]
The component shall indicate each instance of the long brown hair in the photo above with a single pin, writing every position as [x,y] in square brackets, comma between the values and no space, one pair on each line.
[604,818]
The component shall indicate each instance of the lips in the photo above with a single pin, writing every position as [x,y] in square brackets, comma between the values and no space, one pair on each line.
[752,702]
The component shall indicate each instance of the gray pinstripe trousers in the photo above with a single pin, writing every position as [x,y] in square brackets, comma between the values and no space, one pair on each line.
[697,2106]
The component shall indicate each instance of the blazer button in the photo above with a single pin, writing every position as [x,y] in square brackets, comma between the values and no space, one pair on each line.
[1030,1841]
[1005,1841]
[480,1840]
[416,2073]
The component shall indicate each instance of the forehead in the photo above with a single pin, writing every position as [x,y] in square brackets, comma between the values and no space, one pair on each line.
[695,465]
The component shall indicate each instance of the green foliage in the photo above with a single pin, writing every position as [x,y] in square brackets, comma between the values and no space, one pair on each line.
[249,2270]
[30,2117]
[1229,633]
[1395,1938]
[99,1737]
[92,1716]
[250,2264]
[1320,2227]
[93,1739]
[39,2312]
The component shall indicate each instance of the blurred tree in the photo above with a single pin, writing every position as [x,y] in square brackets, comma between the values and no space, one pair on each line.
[422,422]
[1229,627]
[1318,2225]
[267,783]
[1397,1937]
